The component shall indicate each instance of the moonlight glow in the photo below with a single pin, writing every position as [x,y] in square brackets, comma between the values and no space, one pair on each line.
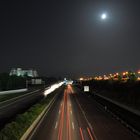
[103,16]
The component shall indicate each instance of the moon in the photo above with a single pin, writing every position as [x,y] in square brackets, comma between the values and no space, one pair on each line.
[103,16]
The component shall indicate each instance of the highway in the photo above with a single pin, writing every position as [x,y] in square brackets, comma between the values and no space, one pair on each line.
[75,116]
[10,108]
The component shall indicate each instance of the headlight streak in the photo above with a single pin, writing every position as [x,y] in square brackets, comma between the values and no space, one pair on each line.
[52,88]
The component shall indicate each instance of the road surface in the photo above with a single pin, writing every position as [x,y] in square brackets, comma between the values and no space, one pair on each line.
[10,108]
[74,116]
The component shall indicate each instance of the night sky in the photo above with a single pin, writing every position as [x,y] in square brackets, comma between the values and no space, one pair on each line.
[69,38]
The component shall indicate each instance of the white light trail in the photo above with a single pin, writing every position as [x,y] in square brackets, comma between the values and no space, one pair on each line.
[52,88]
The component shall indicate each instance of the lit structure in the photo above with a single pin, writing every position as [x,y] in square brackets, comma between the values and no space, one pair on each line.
[20,72]
[81,79]
[138,75]
[105,77]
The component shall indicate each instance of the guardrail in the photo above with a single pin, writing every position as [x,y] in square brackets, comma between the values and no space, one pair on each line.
[130,118]
[34,126]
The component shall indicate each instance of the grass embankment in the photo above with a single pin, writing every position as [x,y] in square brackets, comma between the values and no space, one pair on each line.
[15,129]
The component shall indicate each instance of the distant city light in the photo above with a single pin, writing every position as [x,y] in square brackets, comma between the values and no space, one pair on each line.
[118,76]
[81,79]
[124,73]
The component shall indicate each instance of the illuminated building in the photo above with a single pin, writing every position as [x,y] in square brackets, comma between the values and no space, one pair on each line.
[21,72]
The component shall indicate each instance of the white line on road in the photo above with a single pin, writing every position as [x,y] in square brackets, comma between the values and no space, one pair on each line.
[56,125]
[73,125]
[59,111]
[71,112]
[86,118]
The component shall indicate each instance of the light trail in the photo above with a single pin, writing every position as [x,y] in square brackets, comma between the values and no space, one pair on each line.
[90,133]
[69,123]
[61,121]
[52,88]
[81,133]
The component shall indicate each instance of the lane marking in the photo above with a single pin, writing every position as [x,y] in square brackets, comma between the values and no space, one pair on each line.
[61,125]
[81,133]
[73,125]
[38,121]
[62,122]
[56,125]
[59,111]
[86,118]
[67,120]
[71,112]
[90,133]
[69,127]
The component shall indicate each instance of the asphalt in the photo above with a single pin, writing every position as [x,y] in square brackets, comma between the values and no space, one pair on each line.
[75,116]
[10,108]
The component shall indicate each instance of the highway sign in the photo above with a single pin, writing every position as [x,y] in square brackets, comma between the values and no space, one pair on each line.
[86,88]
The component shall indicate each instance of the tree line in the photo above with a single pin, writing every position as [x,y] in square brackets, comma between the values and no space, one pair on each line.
[11,82]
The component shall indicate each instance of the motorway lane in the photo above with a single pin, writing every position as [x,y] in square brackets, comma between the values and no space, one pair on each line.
[64,121]
[46,130]
[74,116]
[9,109]
[80,119]
[102,124]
